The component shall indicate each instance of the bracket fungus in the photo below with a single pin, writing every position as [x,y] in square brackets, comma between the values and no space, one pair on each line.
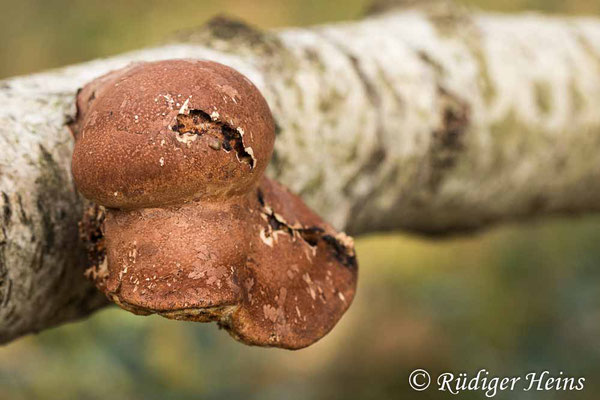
[188,227]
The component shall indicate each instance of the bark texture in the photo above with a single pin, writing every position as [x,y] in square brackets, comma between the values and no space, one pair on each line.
[430,121]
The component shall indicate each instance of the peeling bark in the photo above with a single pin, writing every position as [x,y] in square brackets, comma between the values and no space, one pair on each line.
[430,121]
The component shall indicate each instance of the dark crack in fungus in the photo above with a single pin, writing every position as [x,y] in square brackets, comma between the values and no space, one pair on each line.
[341,245]
[198,122]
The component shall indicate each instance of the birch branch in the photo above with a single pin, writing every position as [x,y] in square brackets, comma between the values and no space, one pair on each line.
[423,121]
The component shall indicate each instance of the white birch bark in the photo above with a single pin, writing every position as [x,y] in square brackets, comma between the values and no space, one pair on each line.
[424,121]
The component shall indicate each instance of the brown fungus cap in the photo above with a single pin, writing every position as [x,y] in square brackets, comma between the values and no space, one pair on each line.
[176,150]
[150,130]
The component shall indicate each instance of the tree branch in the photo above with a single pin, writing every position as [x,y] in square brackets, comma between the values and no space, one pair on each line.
[424,121]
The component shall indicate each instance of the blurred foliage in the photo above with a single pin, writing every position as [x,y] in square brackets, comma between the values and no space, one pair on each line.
[42,34]
[513,300]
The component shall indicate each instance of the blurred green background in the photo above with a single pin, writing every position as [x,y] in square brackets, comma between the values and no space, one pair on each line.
[512,300]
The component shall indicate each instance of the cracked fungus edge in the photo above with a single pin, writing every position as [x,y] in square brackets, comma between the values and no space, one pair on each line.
[191,123]
[341,245]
